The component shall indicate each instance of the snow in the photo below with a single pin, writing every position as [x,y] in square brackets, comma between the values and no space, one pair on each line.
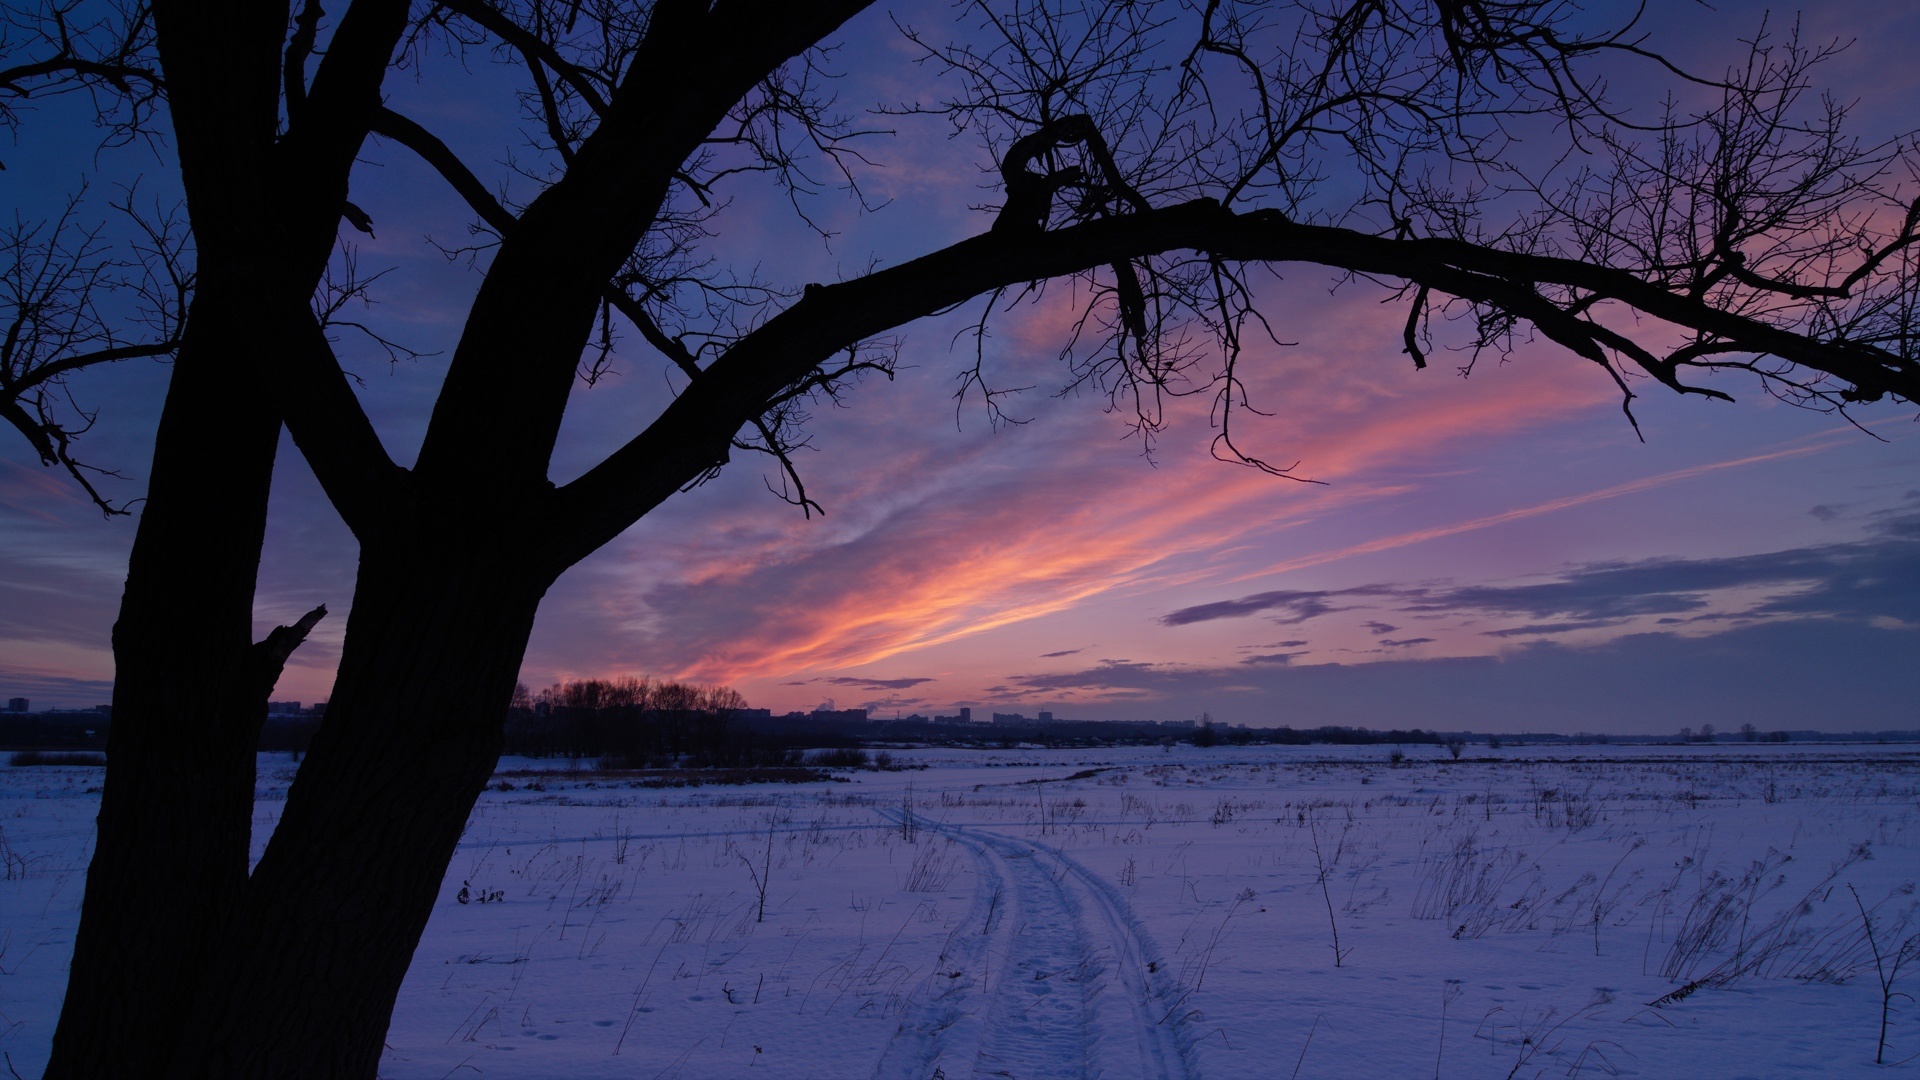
[1128,912]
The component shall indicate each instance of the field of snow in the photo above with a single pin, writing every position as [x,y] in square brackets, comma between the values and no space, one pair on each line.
[1224,912]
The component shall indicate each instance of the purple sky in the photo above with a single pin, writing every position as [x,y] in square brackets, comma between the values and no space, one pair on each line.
[1498,552]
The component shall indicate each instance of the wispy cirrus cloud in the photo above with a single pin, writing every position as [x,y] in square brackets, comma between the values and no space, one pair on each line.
[1791,674]
[955,537]
[1874,578]
[1550,506]
[878,684]
[41,685]
[1540,629]
[1107,675]
[49,598]
[1272,658]
[1289,607]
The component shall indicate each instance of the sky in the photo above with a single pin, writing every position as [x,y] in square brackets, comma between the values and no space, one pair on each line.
[1493,552]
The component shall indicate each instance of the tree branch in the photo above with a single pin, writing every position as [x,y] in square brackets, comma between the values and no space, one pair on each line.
[573,238]
[531,45]
[103,49]
[693,434]
[331,122]
[332,430]
[391,125]
[53,370]
[270,654]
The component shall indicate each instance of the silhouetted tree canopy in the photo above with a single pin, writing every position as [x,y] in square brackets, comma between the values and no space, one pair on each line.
[1161,162]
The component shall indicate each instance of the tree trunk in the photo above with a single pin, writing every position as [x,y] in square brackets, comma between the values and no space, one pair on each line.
[306,982]
[170,861]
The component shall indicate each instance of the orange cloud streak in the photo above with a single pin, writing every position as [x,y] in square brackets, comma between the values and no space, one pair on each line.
[939,571]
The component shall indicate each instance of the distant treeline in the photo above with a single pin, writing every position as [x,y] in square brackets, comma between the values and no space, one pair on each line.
[644,724]
[659,723]
[1344,736]
[1089,733]
[88,731]
[53,731]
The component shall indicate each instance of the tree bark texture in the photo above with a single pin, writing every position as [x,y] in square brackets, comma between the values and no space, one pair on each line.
[170,860]
[169,874]
[305,981]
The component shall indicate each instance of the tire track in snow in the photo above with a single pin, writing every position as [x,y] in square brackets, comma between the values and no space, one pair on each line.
[1049,975]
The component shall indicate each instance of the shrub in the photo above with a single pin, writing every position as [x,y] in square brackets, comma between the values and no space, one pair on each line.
[840,757]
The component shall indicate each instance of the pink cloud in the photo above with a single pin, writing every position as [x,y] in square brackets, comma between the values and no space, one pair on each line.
[936,546]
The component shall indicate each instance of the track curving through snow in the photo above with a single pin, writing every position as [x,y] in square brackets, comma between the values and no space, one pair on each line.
[1049,975]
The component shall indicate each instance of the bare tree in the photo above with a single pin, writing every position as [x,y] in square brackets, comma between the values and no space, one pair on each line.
[1158,158]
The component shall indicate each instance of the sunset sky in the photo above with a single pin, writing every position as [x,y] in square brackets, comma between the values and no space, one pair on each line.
[1498,552]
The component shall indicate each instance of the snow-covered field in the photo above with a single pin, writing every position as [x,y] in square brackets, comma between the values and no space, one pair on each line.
[1224,912]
